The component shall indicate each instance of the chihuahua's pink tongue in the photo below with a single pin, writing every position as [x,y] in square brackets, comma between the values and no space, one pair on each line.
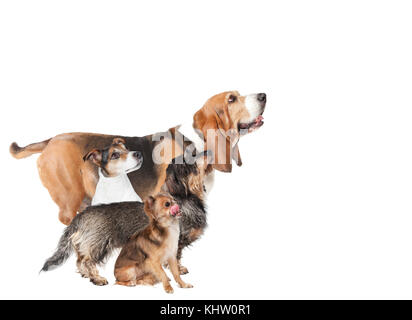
[174,210]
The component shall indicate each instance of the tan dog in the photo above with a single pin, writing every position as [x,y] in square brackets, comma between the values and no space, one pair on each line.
[71,181]
[141,259]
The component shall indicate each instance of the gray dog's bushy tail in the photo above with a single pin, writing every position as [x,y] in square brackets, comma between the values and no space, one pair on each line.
[63,251]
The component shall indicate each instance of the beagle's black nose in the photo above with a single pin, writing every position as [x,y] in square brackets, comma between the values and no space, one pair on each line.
[261,97]
[137,154]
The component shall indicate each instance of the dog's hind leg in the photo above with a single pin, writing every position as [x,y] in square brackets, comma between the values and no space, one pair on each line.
[126,276]
[80,265]
[93,273]
[147,279]
[82,268]
[86,266]
[59,169]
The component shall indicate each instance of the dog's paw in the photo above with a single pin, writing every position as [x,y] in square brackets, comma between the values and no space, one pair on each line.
[99,281]
[185,285]
[183,270]
[168,289]
[126,283]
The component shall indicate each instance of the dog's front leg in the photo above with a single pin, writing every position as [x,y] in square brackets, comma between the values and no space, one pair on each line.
[181,245]
[174,267]
[160,274]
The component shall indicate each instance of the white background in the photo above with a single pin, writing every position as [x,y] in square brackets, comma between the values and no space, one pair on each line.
[322,205]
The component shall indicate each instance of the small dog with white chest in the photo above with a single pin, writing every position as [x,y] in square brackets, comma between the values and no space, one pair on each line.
[114,163]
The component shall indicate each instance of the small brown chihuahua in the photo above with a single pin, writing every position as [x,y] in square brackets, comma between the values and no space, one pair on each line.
[141,259]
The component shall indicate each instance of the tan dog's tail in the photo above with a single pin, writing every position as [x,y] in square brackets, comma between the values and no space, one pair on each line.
[27,151]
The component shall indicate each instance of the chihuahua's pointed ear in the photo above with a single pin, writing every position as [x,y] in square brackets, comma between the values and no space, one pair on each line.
[150,201]
[117,141]
[148,207]
[95,155]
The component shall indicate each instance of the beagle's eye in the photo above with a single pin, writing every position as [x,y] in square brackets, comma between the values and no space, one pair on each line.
[167,204]
[232,98]
[115,155]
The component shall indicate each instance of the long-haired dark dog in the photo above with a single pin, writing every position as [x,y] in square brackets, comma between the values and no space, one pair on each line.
[98,230]
[184,181]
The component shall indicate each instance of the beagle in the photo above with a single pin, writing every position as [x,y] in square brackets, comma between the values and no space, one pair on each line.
[114,163]
[219,124]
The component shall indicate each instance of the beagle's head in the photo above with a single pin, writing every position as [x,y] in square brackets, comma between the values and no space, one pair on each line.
[223,119]
[115,159]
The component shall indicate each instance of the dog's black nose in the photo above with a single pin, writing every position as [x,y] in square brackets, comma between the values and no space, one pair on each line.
[261,97]
[137,154]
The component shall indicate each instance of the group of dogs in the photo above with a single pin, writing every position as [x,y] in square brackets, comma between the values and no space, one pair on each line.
[105,177]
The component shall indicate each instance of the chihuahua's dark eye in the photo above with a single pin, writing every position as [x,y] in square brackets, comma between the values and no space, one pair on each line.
[167,204]
[232,98]
[115,155]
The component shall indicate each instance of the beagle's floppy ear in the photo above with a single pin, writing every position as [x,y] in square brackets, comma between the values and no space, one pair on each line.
[117,141]
[220,145]
[95,155]
[220,135]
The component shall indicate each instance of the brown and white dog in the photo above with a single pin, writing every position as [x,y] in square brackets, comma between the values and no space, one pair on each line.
[114,163]
[217,126]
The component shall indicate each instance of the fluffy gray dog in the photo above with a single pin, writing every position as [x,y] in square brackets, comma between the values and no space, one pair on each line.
[95,233]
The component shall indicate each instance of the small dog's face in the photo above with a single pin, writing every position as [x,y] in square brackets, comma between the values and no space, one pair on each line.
[162,208]
[116,159]
[183,177]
